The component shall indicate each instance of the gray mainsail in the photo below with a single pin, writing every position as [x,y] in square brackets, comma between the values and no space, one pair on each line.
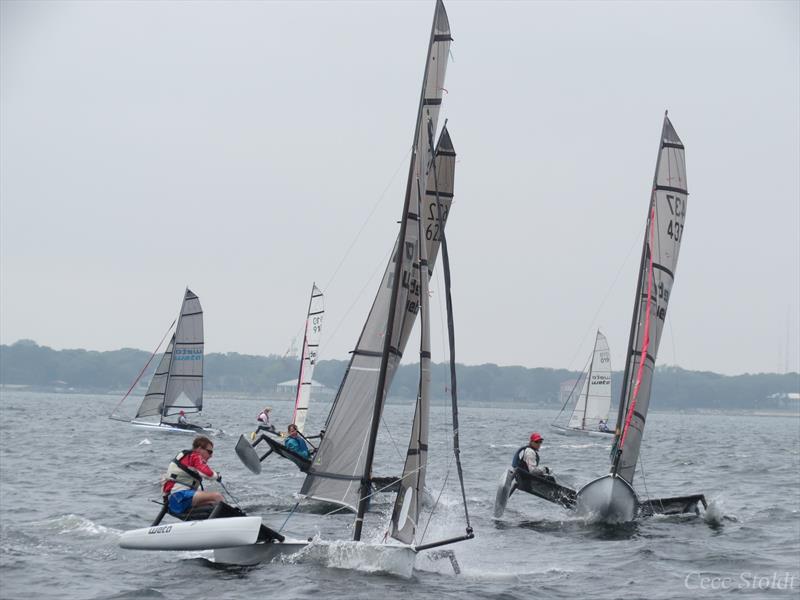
[663,235]
[178,381]
[338,466]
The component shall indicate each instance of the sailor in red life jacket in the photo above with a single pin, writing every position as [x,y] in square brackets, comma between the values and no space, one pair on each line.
[185,475]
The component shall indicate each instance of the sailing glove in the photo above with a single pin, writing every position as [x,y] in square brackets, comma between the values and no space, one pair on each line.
[219,477]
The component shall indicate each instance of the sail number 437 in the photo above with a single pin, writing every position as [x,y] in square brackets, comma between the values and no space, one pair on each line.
[677,208]
[675,230]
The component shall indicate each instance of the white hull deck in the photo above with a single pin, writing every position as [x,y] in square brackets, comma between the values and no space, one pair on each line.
[167,428]
[194,535]
[234,542]
[562,430]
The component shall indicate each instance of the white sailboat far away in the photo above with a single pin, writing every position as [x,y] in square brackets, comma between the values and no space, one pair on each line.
[593,399]
[341,469]
[611,498]
[176,388]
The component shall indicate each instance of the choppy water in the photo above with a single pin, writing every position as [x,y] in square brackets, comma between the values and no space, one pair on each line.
[72,481]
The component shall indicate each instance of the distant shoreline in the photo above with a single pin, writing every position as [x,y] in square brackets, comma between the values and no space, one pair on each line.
[393,400]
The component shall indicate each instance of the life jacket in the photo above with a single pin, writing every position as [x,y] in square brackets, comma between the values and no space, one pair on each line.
[518,463]
[183,475]
[297,445]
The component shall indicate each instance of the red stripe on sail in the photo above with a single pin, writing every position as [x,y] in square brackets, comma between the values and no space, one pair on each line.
[646,337]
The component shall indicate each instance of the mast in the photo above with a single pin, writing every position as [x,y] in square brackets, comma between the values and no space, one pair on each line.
[380,392]
[623,398]
[588,385]
[405,514]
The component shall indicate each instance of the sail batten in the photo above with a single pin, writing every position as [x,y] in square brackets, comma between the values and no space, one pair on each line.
[663,235]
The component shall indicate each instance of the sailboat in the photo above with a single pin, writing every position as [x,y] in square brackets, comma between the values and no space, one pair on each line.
[177,384]
[341,469]
[308,360]
[611,498]
[593,401]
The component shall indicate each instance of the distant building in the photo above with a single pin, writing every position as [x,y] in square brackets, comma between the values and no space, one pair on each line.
[289,388]
[790,400]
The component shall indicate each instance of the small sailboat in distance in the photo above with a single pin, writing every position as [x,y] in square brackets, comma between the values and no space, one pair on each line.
[308,359]
[593,401]
[176,388]
[611,498]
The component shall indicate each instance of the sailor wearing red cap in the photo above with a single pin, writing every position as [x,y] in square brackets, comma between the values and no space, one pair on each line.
[529,456]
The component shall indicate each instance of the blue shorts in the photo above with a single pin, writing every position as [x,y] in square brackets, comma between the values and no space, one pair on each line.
[181,501]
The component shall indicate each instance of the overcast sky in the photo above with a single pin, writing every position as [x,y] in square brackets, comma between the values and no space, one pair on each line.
[247,149]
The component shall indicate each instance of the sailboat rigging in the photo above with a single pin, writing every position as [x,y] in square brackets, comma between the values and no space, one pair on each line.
[176,387]
[341,469]
[611,498]
[593,400]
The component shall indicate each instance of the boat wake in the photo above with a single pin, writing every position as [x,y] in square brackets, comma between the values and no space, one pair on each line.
[81,526]
[357,556]
[715,513]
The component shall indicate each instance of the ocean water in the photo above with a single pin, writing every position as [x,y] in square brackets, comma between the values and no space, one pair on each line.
[71,481]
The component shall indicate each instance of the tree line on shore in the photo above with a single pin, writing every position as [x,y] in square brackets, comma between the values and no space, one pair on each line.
[25,363]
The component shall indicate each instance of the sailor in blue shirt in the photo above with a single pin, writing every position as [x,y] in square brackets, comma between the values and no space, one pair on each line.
[295,443]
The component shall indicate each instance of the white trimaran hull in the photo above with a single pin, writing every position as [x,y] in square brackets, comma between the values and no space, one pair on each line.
[561,430]
[172,429]
[233,541]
